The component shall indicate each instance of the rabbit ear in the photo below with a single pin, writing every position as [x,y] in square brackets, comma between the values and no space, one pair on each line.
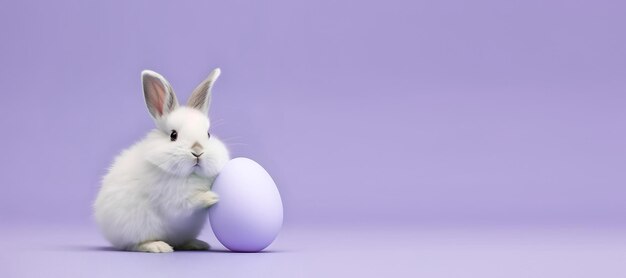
[201,96]
[160,97]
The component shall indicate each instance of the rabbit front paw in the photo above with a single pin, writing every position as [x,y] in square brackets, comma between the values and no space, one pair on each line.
[208,198]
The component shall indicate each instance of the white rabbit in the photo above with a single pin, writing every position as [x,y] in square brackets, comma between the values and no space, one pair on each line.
[156,194]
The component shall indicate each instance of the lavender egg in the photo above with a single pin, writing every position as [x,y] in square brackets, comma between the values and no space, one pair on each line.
[249,214]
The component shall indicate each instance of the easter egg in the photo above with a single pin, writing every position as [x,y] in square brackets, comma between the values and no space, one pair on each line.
[249,213]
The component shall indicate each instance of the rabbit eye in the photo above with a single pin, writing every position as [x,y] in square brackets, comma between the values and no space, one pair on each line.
[174,135]
[209,134]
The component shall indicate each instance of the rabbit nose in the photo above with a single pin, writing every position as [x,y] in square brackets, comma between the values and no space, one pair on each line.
[196,149]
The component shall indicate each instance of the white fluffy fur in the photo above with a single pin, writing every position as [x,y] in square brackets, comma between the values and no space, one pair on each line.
[154,197]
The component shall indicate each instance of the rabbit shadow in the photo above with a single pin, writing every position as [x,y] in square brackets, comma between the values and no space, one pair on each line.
[82,248]
[91,248]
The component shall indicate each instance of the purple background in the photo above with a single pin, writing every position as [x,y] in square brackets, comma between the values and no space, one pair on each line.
[367,114]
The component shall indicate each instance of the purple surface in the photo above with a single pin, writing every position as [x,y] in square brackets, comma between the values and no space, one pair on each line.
[335,252]
[367,114]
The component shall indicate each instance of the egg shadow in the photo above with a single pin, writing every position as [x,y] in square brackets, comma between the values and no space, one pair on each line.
[229,252]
